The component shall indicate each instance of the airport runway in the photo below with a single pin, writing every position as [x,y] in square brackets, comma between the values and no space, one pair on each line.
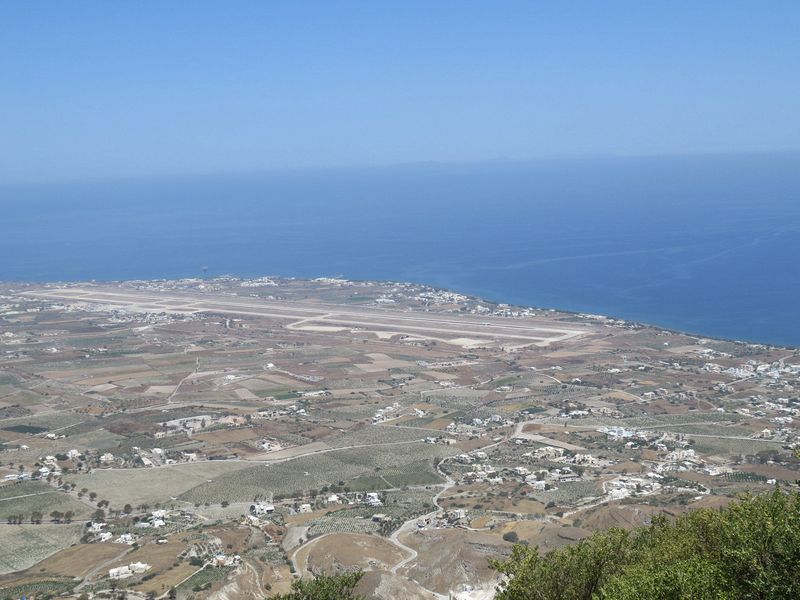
[319,318]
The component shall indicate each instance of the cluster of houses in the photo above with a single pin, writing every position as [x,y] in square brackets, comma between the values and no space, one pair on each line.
[260,510]
[440,440]
[128,539]
[482,473]
[155,520]
[269,445]
[451,518]
[751,368]
[478,426]
[372,499]
[388,412]
[190,425]
[98,529]
[126,571]
[47,466]
[275,413]
[547,479]
[226,560]
[146,457]
[622,487]
[600,411]
[494,420]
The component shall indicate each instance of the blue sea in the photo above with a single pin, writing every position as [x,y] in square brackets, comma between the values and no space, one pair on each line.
[706,244]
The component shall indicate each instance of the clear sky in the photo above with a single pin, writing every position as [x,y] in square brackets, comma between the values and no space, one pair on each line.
[108,89]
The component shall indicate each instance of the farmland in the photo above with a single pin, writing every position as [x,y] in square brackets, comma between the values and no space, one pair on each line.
[44,502]
[150,486]
[22,546]
[314,472]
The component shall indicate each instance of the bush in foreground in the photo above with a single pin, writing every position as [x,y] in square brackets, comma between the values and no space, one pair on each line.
[324,587]
[748,550]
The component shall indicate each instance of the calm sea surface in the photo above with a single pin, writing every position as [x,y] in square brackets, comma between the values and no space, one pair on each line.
[705,244]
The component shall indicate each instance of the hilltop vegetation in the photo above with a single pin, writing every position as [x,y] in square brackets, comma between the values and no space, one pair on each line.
[748,550]
[324,587]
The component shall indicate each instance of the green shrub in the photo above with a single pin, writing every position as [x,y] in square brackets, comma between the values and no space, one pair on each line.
[324,587]
[511,536]
[748,550]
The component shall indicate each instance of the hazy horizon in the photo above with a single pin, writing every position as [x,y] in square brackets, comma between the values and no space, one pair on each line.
[395,166]
[95,90]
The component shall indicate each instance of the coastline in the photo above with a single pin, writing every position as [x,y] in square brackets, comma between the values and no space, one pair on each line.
[482,298]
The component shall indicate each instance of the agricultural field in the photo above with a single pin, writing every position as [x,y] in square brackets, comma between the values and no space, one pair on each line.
[33,590]
[138,486]
[202,581]
[44,502]
[732,447]
[22,546]
[314,472]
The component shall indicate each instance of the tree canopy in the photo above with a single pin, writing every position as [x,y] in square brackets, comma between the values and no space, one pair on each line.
[748,550]
[324,587]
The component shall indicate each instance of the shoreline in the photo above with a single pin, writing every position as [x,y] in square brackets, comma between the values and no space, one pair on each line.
[469,295]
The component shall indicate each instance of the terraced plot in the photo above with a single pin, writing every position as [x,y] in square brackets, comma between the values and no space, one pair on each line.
[310,472]
[138,486]
[22,546]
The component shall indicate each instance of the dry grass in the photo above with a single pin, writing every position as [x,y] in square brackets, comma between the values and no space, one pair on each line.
[349,550]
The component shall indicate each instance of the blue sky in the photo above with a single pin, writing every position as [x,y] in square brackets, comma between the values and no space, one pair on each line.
[110,89]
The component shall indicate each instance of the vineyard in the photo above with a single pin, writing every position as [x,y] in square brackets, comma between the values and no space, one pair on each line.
[36,590]
[375,434]
[330,524]
[202,580]
[744,477]
[570,493]
[402,462]
[22,546]
[732,446]
[44,502]
[137,486]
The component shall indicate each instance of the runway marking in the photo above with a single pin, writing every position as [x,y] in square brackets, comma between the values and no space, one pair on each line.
[325,314]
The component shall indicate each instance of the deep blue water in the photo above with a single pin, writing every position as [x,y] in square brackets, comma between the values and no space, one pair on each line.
[705,244]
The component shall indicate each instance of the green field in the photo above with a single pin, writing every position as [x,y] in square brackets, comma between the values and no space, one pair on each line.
[22,546]
[313,472]
[137,486]
[732,447]
[31,429]
[202,580]
[570,493]
[48,587]
[25,497]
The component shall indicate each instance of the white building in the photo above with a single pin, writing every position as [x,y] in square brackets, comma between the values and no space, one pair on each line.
[372,499]
[138,567]
[262,509]
[120,572]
